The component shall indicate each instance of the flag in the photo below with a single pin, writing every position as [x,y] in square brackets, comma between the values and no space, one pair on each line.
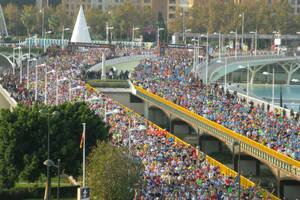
[81,140]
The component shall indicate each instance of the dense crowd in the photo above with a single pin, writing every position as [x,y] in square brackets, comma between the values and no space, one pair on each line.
[170,78]
[172,170]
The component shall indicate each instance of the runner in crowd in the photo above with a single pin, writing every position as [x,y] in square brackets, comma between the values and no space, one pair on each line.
[170,78]
[171,170]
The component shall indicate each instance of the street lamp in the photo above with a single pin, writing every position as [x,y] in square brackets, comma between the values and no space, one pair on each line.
[242,15]
[243,67]
[27,76]
[207,57]
[294,80]
[62,37]
[235,49]
[186,31]
[255,44]
[46,84]
[134,29]
[36,79]
[48,161]
[158,40]
[219,44]
[196,53]
[234,144]
[107,27]
[273,85]
[48,32]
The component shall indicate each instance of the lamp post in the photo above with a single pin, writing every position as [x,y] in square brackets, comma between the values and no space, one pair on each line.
[183,25]
[242,15]
[273,85]
[186,31]
[247,90]
[48,32]
[107,27]
[62,37]
[47,162]
[158,40]
[255,43]
[133,29]
[207,57]
[238,143]
[36,79]
[46,84]
[219,44]
[50,163]
[196,53]
[235,48]
[27,76]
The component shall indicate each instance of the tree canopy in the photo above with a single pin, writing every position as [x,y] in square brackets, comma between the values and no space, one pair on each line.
[111,175]
[23,140]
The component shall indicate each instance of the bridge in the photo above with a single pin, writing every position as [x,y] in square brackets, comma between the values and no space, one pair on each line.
[217,68]
[121,61]
[284,168]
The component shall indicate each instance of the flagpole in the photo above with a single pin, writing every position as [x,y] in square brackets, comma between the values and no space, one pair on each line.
[83,160]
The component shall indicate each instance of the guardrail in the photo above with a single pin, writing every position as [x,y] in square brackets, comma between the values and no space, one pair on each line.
[121,60]
[8,98]
[245,183]
[251,147]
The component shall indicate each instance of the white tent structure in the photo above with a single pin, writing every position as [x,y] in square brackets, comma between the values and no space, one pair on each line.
[81,32]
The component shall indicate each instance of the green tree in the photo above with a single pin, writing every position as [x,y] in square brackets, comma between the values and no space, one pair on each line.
[29,18]
[111,175]
[12,18]
[23,140]
[96,19]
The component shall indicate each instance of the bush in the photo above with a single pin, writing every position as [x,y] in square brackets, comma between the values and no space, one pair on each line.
[109,83]
[37,192]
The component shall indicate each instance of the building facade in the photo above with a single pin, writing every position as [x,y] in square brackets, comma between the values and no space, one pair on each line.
[168,8]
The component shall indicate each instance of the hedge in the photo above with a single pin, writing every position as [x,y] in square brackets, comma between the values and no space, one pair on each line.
[37,192]
[109,83]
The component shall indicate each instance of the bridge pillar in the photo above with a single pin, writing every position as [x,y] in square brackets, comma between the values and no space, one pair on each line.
[253,71]
[290,69]
[146,110]
[289,189]
[159,117]
[249,166]
[209,144]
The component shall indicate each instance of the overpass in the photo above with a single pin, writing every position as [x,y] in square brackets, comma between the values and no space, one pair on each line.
[283,167]
[217,68]
[120,61]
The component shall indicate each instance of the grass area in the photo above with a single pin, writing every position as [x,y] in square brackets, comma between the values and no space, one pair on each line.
[109,83]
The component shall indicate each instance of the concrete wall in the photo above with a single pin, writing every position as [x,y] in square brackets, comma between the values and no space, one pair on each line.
[291,191]
[6,102]
[124,98]
[181,128]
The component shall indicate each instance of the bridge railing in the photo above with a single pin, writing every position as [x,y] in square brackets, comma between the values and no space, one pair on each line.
[121,60]
[251,147]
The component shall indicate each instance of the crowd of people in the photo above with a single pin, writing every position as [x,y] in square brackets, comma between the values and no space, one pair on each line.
[170,78]
[172,170]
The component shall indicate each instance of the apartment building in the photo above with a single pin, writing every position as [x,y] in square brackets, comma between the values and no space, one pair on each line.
[168,8]
[295,5]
